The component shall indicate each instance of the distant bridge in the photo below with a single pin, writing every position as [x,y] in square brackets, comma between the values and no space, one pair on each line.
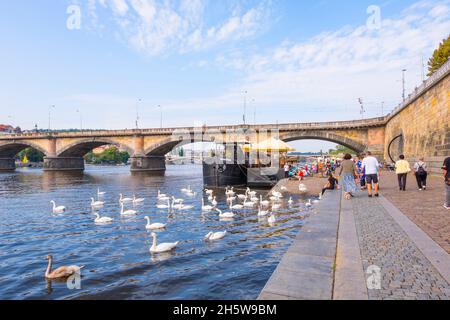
[148,147]
[419,127]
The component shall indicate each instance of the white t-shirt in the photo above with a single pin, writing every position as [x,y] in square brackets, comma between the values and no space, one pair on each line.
[286,168]
[370,165]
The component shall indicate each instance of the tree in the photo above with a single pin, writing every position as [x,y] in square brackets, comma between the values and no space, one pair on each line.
[111,155]
[33,155]
[440,56]
[340,150]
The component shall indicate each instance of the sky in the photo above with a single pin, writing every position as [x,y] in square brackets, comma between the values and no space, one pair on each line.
[102,62]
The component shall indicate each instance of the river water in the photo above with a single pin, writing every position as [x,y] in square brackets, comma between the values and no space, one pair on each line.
[118,264]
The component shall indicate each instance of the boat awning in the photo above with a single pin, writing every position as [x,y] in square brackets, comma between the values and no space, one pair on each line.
[270,145]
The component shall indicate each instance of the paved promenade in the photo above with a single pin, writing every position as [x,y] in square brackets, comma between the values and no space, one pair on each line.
[424,208]
[406,273]
[412,257]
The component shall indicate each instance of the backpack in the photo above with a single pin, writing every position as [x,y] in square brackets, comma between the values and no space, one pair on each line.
[421,171]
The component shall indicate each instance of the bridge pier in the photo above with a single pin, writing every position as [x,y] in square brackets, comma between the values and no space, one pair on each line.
[153,164]
[7,164]
[63,164]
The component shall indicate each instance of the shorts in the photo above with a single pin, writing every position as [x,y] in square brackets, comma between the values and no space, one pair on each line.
[371,178]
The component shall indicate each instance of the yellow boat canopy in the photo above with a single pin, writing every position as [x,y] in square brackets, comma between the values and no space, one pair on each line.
[270,145]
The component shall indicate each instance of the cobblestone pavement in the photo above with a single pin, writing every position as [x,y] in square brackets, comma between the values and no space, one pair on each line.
[424,208]
[406,272]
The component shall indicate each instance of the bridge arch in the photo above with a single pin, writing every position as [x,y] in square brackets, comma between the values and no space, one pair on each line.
[11,149]
[81,147]
[324,136]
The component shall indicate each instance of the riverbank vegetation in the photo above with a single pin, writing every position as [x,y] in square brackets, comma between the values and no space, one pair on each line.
[111,155]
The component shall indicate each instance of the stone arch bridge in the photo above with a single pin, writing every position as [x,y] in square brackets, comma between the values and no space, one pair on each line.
[148,147]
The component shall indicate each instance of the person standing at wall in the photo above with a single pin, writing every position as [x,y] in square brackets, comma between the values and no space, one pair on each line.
[370,165]
[402,169]
[446,170]
[421,173]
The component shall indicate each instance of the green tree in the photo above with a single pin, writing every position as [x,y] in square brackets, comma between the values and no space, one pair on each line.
[340,150]
[111,155]
[440,56]
[33,155]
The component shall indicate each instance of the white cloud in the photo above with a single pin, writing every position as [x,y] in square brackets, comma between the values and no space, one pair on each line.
[156,26]
[332,69]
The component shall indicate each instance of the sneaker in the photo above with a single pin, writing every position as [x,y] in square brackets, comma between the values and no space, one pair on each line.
[424,188]
[377,195]
[420,189]
[370,196]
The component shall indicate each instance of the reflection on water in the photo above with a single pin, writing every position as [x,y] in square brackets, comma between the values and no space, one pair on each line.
[118,264]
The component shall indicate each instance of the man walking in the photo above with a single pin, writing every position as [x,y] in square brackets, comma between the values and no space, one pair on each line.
[421,173]
[446,169]
[370,166]
[402,169]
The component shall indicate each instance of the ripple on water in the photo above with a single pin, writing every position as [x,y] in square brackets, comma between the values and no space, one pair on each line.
[118,264]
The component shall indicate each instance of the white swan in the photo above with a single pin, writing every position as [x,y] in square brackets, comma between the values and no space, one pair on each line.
[236,206]
[186,190]
[163,247]
[154,226]
[262,213]
[97,203]
[210,198]
[56,209]
[177,206]
[277,194]
[283,188]
[214,202]
[127,212]
[308,204]
[290,202]
[209,191]
[248,204]
[230,199]
[212,236]
[191,193]
[137,200]
[99,219]
[100,193]
[242,196]
[161,195]
[175,200]
[230,192]
[184,207]
[264,203]
[251,193]
[225,215]
[272,219]
[122,199]
[276,206]
[164,206]
[207,207]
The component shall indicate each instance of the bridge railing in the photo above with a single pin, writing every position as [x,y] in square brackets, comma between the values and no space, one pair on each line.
[168,131]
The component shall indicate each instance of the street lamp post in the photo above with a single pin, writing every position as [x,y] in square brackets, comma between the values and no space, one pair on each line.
[244,116]
[161,116]
[137,113]
[403,82]
[81,119]
[50,116]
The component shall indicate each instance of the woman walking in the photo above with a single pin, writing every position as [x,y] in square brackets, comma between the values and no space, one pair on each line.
[421,173]
[402,169]
[348,171]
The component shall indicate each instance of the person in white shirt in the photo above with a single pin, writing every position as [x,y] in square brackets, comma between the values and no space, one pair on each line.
[286,170]
[371,166]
